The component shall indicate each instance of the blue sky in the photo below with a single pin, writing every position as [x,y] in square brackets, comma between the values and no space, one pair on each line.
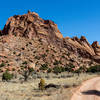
[73,17]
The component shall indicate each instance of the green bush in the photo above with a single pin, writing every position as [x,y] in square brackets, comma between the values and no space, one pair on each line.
[49,70]
[2,64]
[7,76]
[58,69]
[57,62]
[25,63]
[31,70]
[43,55]
[44,67]
[69,67]
[94,69]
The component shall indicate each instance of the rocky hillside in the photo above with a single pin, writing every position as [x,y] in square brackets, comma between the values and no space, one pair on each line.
[29,40]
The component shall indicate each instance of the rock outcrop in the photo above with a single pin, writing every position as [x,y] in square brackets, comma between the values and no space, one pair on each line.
[30,25]
[80,46]
[96,48]
[30,38]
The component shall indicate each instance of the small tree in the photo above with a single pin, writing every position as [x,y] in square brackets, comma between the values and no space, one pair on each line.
[41,85]
[27,73]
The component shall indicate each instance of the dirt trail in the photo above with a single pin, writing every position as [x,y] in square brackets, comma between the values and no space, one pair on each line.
[90,90]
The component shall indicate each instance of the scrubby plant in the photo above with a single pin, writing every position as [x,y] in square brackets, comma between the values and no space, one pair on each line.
[49,70]
[63,56]
[69,67]
[2,64]
[31,70]
[94,69]
[37,57]
[44,67]
[62,69]
[58,69]
[41,85]
[43,55]
[56,62]
[7,76]
[25,63]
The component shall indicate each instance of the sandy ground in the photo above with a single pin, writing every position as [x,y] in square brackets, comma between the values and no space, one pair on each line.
[90,90]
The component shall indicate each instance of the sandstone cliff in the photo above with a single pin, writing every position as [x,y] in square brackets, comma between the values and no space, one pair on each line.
[30,38]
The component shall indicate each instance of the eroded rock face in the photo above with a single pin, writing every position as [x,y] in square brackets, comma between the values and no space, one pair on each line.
[96,48]
[79,46]
[30,25]
[30,38]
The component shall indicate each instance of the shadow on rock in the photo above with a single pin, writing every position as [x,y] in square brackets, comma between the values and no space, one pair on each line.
[92,92]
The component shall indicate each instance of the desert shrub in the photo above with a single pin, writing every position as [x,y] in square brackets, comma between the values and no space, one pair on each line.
[58,69]
[25,63]
[63,56]
[7,76]
[31,70]
[94,69]
[2,64]
[44,67]
[37,57]
[69,67]
[49,70]
[41,85]
[56,62]
[43,55]
[80,70]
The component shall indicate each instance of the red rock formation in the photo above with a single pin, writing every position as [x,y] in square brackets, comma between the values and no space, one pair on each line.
[20,29]
[30,25]
[80,46]
[96,48]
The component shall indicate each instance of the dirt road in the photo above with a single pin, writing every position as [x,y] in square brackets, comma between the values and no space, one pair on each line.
[90,90]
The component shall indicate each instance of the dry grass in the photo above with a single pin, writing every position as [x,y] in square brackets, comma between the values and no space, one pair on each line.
[29,90]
